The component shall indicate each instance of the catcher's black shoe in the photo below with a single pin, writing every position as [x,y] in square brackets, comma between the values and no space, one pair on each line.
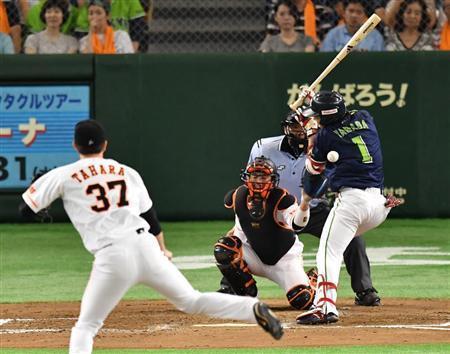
[316,316]
[368,297]
[267,320]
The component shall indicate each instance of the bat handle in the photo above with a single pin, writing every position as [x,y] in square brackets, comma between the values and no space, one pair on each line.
[301,98]
[298,102]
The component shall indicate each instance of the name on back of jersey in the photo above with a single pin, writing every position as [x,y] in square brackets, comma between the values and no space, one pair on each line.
[93,170]
[353,126]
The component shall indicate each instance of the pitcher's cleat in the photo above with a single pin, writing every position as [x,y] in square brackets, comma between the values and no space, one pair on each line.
[316,316]
[267,320]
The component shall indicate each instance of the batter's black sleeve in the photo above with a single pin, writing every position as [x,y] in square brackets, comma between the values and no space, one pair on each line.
[152,219]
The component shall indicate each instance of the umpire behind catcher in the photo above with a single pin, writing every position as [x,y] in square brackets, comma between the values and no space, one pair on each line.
[288,152]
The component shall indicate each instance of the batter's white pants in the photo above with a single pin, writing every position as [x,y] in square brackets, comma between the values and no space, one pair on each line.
[355,212]
[138,259]
[287,272]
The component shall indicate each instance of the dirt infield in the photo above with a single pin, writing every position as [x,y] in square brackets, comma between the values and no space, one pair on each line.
[157,324]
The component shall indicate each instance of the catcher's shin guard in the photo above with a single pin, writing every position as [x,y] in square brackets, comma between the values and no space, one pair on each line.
[228,254]
[301,297]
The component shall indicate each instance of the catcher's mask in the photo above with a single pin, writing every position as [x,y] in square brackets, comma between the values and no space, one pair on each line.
[295,133]
[260,177]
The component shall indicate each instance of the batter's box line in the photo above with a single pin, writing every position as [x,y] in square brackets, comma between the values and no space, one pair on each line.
[292,325]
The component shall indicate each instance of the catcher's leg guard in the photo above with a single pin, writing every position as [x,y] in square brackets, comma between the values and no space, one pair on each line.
[228,254]
[301,297]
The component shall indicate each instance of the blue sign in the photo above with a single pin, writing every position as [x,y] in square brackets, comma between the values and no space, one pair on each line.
[36,129]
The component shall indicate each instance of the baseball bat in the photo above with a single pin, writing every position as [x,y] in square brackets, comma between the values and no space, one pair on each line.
[357,38]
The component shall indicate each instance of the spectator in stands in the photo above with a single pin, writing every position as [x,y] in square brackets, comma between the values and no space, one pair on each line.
[444,43]
[6,44]
[35,22]
[126,15]
[10,23]
[393,8]
[288,40]
[372,6]
[51,41]
[354,15]
[312,20]
[410,29]
[102,39]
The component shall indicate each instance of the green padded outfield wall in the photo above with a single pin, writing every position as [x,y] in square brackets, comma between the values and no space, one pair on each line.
[187,122]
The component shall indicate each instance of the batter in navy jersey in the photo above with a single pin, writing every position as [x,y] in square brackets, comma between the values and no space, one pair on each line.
[355,139]
[288,152]
[358,179]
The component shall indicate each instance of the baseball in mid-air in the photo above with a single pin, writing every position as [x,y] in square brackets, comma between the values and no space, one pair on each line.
[333,156]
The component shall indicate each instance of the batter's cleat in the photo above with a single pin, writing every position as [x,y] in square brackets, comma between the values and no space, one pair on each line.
[368,297]
[267,320]
[316,316]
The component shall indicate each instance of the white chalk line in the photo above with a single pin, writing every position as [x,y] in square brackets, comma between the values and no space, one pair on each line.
[152,329]
[166,327]
[291,325]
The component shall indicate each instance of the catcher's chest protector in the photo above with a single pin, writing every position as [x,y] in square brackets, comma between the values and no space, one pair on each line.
[268,238]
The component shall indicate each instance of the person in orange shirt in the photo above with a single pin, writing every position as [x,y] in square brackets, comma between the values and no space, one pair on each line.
[445,32]
[10,22]
[102,39]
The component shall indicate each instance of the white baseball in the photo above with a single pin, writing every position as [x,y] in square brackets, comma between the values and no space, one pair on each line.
[333,156]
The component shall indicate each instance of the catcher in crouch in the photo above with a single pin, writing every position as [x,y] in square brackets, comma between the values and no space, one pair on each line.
[262,241]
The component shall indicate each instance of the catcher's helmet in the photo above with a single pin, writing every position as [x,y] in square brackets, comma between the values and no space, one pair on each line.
[260,176]
[328,105]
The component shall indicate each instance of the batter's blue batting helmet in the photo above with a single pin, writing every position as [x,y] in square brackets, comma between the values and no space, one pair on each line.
[328,105]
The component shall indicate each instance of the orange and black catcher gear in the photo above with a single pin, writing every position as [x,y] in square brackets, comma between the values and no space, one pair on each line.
[260,167]
[260,177]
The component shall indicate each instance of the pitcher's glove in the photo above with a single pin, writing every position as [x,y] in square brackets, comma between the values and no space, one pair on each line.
[43,215]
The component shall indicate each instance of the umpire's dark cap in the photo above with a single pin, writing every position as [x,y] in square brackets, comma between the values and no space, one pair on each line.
[89,134]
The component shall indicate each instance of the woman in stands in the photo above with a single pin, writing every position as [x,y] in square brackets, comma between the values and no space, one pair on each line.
[102,39]
[411,28]
[54,14]
[288,40]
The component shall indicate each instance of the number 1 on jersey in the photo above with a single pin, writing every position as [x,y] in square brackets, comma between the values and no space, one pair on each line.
[366,157]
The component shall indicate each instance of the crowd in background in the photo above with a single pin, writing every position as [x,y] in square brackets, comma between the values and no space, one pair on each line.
[121,26]
[71,26]
[294,25]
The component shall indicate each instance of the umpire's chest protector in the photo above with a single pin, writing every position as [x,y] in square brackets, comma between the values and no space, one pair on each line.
[269,239]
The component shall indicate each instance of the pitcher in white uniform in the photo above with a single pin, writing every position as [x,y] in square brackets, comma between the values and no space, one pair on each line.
[110,207]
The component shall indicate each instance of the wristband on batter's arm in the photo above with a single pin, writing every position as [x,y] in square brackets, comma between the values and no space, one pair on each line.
[300,220]
[152,219]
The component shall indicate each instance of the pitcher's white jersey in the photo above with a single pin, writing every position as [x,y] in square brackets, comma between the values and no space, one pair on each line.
[102,197]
